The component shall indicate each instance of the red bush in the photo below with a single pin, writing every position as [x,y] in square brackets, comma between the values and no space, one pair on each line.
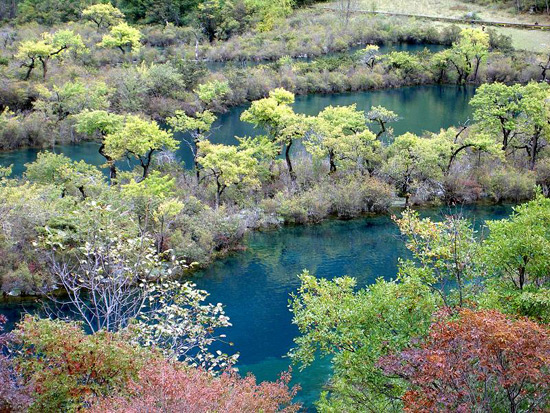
[482,361]
[168,387]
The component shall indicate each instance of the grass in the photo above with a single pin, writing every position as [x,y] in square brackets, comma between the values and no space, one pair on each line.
[452,8]
[530,40]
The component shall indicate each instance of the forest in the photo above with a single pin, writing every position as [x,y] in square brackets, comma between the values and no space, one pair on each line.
[274,206]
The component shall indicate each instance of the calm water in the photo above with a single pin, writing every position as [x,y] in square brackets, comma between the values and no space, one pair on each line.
[421,108]
[255,284]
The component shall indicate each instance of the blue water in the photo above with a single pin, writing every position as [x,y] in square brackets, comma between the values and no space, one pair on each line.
[255,285]
[421,108]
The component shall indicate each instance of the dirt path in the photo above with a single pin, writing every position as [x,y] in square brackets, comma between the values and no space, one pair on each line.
[457,20]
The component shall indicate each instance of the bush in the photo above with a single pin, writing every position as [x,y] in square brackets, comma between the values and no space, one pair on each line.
[164,386]
[69,367]
[509,184]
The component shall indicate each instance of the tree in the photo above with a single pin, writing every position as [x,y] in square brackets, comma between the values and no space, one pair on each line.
[482,361]
[182,327]
[168,386]
[381,116]
[69,368]
[356,329]
[154,202]
[140,139]
[50,12]
[100,123]
[123,37]
[51,46]
[197,126]
[453,143]
[467,54]
[497,109]
[275,115]
[71,177]
[227,165]
[535,120]
[411,160]
[369,55]
[405,62]
[218,19]
[103,15]
[520,114]
[213,91]
[446,254]
[517,250]
[269,12]
[103,267]
[72,98]
[333,128]
[15,395]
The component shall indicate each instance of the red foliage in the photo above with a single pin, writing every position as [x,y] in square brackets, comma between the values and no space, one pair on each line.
[14,397]
[164,386]
[482,361]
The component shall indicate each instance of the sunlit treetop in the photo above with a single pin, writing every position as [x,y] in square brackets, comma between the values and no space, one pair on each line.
[123,37]
[103,15]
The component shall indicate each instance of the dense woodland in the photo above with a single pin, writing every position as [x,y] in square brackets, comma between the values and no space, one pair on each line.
[111,250]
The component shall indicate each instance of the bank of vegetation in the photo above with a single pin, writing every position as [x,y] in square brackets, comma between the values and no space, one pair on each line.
[105,247]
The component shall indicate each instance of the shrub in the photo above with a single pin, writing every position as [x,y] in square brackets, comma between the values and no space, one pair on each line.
[69,367]
[164,386]
[482,361]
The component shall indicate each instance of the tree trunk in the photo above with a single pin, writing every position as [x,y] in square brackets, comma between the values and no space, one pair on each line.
[331,161]
[534,151]
[44,68]
[110,162]
[289,162]
[29,70]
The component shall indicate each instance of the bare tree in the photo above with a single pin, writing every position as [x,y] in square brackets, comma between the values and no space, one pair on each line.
[106,280]
[346,8]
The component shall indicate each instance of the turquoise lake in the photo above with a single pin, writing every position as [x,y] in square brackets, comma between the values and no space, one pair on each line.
[421,108]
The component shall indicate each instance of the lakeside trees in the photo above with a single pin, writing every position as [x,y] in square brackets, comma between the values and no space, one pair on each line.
[115,247]
[421,342]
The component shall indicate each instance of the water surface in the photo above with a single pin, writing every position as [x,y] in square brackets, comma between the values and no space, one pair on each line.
[421,108]
[255,284]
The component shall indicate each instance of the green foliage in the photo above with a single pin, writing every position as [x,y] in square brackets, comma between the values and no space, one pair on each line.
[357,328]
[517,249]
[50,11]
[467,54]
[123,37]
[519,114]
[269,12]
[228,166]
[72,98]
[220,18]
[340,133]
[213,91]
[103,15]
[446,254]
[411,160]
[98,121]
[69,367]
[51,46]
[71,177]
[139,138]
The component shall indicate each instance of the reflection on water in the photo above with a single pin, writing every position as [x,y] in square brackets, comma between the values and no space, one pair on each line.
[255,284]
[421,108]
